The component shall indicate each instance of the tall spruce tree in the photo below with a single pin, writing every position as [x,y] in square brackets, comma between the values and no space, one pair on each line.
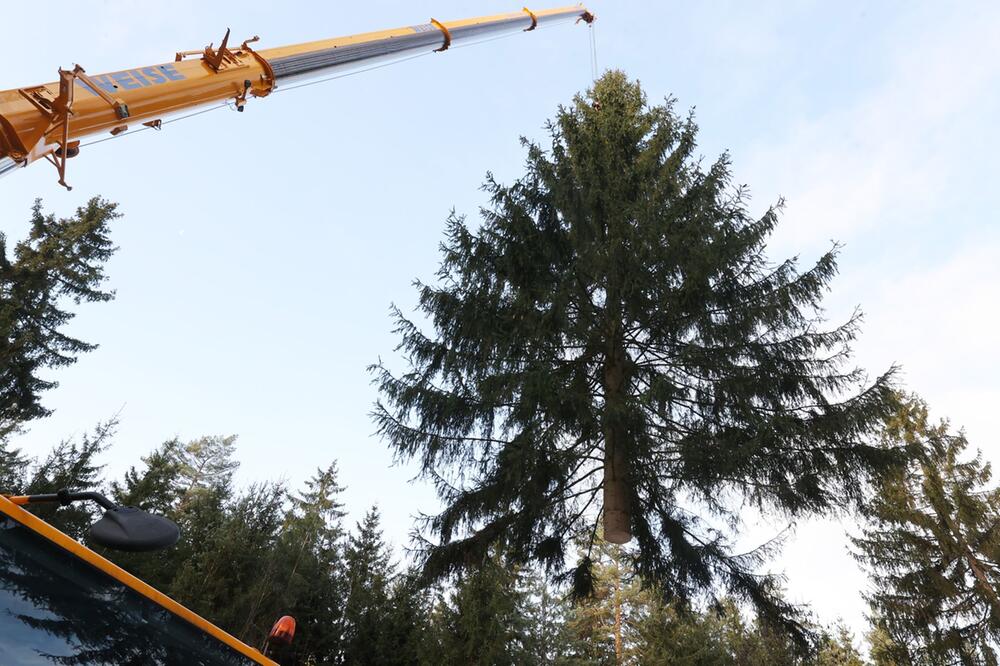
[671,637]
[485,620]
[545,611]
[61,259]
[883,650]
[408,632]
[312,576]
[836,648]
[370,574]
[933,548]
[614,341]
[233,570]
[674,635]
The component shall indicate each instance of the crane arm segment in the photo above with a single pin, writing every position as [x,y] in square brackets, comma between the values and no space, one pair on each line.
[48,121]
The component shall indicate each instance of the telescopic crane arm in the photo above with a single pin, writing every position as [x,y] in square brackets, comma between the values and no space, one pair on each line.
[48,121]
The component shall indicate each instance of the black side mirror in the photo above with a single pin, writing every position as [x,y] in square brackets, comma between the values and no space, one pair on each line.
[130,529]
[122,527]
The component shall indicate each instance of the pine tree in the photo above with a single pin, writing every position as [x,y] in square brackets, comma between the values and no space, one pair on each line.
[883,650]
[313,579]
[933,547]
[14,465]
[672,636]
[614,341]
[370,573]
[409,636]
[606,627]
[71,464]
[758,642]
[169,483]
[226,564]
[545,612]
[61,259]
[177,473]
[230,570]
[206,463]
[484,620]
[245,559]
[837,648]
[156,487]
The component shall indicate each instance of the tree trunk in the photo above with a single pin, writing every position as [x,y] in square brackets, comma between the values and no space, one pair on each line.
[984,583]
[617,520]
[975,566]
[617,513]
[985,588]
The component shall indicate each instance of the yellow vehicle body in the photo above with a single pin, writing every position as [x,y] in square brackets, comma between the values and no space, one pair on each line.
[10,509]
[48,121]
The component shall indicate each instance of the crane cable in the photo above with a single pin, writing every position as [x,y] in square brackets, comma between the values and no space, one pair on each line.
[593,51]
[165,122]
[365,70]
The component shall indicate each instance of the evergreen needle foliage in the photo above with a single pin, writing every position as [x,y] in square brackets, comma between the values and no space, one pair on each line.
[933,549]
[251,553]
[61,259]
[613,336]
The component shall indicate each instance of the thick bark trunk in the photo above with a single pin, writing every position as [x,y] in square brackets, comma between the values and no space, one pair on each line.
[617,511]
[617,517]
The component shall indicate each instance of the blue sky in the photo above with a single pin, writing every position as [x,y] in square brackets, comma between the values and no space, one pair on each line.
[259,252]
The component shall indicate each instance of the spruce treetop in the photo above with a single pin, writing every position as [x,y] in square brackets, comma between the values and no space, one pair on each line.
[612,341]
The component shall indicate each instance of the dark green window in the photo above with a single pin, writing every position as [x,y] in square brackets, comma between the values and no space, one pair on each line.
[56,609]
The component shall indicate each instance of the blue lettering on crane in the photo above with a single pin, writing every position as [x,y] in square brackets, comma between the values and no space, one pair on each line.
[134,79]
[125,80]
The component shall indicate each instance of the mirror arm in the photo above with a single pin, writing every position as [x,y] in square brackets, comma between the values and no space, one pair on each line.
[65,498]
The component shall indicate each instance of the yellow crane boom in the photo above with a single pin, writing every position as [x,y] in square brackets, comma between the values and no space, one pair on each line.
[48,121]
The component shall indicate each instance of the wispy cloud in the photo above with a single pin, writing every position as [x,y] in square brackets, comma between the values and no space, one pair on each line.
[889,157]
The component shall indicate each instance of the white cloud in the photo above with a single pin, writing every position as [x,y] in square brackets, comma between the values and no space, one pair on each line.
[889,157]
[942,323]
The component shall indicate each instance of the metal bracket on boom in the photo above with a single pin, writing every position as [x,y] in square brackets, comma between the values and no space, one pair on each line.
[447,35]
[534,19]
[241,99]
[217,59]
[224,58]
[60,110]
[267,78]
